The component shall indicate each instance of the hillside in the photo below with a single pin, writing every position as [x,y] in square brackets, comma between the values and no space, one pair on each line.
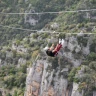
[72,74]
[19,48]
[68,22]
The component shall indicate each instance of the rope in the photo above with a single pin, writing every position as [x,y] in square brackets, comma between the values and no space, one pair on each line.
[41,31]
[74,11]
[18,28]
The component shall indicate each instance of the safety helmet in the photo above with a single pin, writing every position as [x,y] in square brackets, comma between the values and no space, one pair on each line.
[46,48]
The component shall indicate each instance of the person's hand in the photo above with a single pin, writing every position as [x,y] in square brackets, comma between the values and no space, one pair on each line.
[52,44]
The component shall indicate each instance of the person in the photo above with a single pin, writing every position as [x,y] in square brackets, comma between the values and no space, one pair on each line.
[53,51]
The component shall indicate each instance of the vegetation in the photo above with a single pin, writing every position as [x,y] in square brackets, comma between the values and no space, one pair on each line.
[27,46]
[11,77]
[88,79]
[67,21]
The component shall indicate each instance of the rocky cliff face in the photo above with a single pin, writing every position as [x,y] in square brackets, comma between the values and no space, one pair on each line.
[49,76]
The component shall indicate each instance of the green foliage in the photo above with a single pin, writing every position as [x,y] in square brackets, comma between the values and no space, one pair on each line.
[23,68]
[62,35]
[14,53]
[76,80]
[2,55]
[82,40]
[13,77]
[54,62]
[44,35]
[8,49]
[8,94]
[7,34]
[15,93]
[35,53]
[17,42]
[20,93]
[49,44]
[93,45]
[68,21]
[92,56]
[71,75]
[33,44]
[92,65]
[88,79]
[27,56]
[35,36]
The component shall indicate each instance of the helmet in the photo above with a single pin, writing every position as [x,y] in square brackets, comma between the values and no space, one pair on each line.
[46,48]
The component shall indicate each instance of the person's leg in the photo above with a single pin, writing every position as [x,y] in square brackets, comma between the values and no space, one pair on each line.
[57,48]
[52,47]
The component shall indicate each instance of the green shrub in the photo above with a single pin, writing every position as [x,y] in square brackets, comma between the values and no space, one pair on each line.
[93,47]
[32,44]
[7,94]
[15,93]
[35,35]
[77,80]
[3,55]
[35,53]
[71,75]
[92,65]
[62,35]
[44,35]
[14,53]
[82,40]
[92,56]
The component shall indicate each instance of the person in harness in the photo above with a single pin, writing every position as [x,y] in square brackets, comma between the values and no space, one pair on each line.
[53,51]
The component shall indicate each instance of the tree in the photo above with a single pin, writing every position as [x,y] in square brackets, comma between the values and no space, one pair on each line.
[15,93]
[8,94]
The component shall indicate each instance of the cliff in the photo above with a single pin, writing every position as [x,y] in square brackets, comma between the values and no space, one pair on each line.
[50,76]
[73,72]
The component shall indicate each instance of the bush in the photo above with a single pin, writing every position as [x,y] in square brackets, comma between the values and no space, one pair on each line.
[71,75]
[9,81]
[15,93]
[82,40]
[23,68]
[18,42]
[92,65]
[44,35]
[20,93]
[32,44]
[35,53]
[3,55]
[14,53]
[93,47]
[7,94]
[62,35]
[27,56]
[35,35]
[92,56]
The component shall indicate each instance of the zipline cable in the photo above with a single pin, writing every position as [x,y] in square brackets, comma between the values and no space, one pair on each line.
[74,11]
[41,31]
[18,28]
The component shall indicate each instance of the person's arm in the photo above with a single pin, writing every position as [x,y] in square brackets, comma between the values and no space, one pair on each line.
[52,47]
